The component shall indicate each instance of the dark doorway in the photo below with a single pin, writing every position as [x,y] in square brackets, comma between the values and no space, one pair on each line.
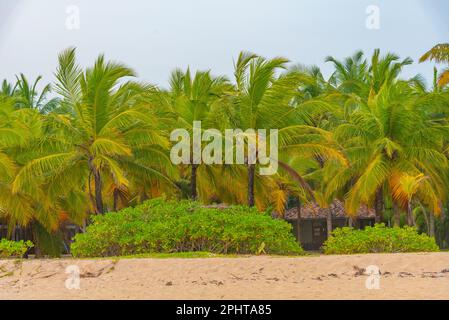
[319,233]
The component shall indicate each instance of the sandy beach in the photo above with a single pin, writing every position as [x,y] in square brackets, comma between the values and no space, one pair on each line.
[403,276]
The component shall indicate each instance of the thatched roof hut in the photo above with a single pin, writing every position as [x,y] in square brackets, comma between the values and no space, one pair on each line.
[313,211]
[311,229]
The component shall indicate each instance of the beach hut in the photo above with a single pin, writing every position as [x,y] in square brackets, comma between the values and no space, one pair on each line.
[312,224]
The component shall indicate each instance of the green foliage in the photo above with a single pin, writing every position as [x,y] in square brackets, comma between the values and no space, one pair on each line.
[366,134]
[48,244]
[160,226]
[378,239]
[14,248]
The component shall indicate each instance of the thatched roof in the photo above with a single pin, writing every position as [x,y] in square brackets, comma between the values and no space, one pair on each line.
[314,211]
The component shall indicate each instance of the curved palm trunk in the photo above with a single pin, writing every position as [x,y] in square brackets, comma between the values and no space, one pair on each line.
[379,205]
[193,186]
[251,174]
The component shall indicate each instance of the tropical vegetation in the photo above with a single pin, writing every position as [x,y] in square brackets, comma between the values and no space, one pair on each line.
[160,226]
[378,239]
[16,249]
[97,141]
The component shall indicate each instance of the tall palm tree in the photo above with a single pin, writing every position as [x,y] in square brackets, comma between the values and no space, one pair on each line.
[357,82]
[439,54]
[390,137]
[192,100]
[262,100]
[20,131]
[265,99]
[111,134]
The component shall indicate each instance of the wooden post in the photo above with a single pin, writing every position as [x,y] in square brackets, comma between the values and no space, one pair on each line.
[329,223]
[298,222]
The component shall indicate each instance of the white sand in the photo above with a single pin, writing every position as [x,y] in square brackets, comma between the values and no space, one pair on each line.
[404,276]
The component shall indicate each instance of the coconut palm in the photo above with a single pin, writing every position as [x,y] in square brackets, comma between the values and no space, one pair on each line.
[111,134]
[262,100]
[357,83]
[192,100]
[20,131]
[265,99]
[388,138]
[27,95]
[439,54]
[7,89]
[356,76]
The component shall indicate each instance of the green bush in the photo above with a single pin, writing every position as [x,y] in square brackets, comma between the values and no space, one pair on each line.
[378,239]
[160,226]
[14,248]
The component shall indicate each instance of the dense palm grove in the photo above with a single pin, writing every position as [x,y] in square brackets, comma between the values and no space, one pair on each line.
[97,140]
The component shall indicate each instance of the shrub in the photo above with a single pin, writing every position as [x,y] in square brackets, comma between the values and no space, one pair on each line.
[14,248]
[378,239]
[160,226]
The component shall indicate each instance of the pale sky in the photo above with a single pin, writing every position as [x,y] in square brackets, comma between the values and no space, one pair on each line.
[156,36]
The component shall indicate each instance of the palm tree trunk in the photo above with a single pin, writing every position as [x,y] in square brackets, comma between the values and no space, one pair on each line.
[426,219]
[379,205]
[431,225]
[193,187]
[115,205]
[35,237]
[251,173]
[98,196]
[396,215]
[410,220]
[329,223]
[99,207]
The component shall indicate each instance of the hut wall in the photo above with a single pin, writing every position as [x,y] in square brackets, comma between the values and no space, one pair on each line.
[305,230]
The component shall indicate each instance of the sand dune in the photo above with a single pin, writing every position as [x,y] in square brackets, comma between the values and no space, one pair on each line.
[403,276]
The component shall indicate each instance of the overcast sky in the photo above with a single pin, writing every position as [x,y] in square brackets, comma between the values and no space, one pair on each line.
[156,36]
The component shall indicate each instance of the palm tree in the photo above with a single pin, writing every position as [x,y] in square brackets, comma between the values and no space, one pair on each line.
[191,100]
[262,100]
[21,130]
[7,89]
[288,102]
[27,95]
[389,138]
[111,134]
[439,54]
[350,75]
[358,83]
